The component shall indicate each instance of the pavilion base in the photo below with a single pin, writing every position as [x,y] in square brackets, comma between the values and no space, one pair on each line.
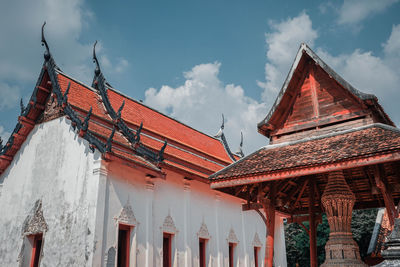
[342,250]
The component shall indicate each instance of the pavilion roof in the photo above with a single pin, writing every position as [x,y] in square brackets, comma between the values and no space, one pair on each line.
[374,143]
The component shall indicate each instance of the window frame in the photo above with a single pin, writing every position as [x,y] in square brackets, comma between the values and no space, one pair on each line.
[126,246]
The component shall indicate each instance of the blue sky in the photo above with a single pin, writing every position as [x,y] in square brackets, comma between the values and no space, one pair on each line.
[197,59]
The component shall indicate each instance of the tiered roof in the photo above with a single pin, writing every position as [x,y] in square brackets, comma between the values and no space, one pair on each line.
[117,126]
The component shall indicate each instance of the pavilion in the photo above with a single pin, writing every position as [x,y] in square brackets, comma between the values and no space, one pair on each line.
[332,148]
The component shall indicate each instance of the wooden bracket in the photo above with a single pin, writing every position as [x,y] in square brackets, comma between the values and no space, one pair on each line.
[387,196]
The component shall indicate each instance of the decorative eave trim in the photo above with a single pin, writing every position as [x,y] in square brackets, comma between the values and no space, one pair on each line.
[101,85]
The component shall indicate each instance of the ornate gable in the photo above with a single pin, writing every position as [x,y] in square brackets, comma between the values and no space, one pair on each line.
[314,99]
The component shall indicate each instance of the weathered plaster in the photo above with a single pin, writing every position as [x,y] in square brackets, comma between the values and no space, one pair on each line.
[84,198]
[55,166]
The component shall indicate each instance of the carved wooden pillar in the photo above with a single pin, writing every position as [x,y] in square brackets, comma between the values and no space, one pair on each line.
[338,202]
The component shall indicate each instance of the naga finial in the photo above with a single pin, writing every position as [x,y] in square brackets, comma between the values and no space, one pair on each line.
[85,123]
[109,140]
[240,150]
[21,104]
[221,130]
[44,43]
[138,131]
[161,152]
[97,70]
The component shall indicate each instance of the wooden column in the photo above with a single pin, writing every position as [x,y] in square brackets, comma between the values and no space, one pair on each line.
[312,232]
[269,209]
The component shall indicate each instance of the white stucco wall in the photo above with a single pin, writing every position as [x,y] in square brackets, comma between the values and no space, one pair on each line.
[189,203]
[83,196]
[55,166]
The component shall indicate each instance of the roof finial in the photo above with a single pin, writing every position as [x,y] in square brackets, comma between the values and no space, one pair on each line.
[221,130]
[65,96]
[240,151]
[109,140]
[97,70]
[138,131]
[85,123]
[21,104]
[44,43]
[161,152]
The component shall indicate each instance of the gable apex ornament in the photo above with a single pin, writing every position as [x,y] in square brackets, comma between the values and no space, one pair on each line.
[169,225]
[232,238]
[126,216]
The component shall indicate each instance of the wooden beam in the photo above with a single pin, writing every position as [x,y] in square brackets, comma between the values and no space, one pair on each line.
[240,189]
[303,187]
[291,194]
[387,196]
[371,184]
[314,95]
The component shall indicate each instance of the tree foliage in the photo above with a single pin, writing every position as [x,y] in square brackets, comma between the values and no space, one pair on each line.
[298,245]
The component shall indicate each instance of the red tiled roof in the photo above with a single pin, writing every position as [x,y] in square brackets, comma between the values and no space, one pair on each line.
[187,149]
[363,142]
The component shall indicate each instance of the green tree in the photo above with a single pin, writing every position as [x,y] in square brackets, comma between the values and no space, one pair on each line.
[297,240]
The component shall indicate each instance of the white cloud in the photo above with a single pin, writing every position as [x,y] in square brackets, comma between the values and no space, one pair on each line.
[20,50]
[9,96]
[354,11]
[372,74]
[121,65]
[202,99]
[392,46]
[282,44]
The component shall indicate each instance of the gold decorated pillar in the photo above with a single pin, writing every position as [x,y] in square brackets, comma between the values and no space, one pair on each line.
[338,201]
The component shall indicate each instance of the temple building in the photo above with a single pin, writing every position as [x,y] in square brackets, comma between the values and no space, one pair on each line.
[332,149]
[91,177]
